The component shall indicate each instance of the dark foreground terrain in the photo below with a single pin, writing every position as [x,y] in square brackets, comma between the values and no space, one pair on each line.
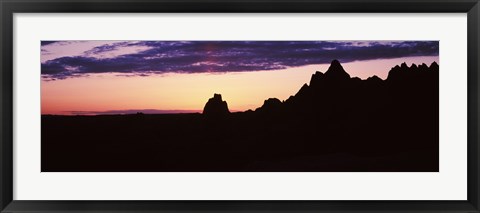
[333,124]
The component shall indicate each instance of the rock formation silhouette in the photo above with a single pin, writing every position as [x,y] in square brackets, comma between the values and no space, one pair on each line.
[343,109]
[271,106]
[336,72]
[334,123]
[216,107]
[335,90]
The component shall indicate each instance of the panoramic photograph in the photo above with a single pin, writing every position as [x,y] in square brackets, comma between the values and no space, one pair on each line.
[239,106]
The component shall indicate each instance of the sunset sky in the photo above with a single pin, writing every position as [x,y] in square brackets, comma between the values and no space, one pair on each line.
[112,77]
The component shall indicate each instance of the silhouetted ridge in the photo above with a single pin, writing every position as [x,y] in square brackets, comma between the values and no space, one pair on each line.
[334,91]
[316,78]
[423,66]
[434,66]
[336,71]
[270,105]
[374,79]
[216,107]
[415,73]
[331,95]
[303,90]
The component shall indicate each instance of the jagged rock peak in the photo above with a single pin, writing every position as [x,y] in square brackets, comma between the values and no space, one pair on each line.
[216,107]
[336,71]
[335,62]
[423,66]
[304,88]
[316,77]
[317,73]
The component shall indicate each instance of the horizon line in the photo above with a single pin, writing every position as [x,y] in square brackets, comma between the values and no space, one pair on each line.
[170,111]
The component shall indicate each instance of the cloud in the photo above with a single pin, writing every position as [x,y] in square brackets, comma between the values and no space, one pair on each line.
[45,43]
[147,57]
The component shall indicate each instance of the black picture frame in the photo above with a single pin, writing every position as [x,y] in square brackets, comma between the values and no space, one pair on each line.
[9,7]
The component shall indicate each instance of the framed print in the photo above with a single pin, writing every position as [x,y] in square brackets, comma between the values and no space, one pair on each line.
[277,136]
[239,106]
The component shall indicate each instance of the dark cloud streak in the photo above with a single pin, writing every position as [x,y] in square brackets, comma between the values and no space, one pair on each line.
[45,43]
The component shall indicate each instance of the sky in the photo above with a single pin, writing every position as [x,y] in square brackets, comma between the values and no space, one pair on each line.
[116,77]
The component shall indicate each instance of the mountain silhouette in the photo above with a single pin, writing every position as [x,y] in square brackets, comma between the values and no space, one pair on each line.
[402,109]
[335,90]
[336,72]
[216,107]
